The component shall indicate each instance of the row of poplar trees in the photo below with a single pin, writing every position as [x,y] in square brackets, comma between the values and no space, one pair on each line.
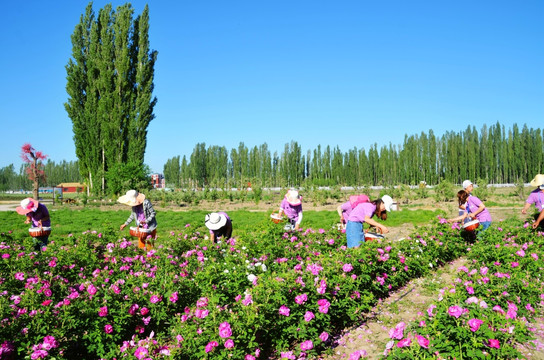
[495,154]
[55,174]
[110,84]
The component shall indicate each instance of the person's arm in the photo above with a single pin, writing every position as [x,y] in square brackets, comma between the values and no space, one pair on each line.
[525,208]
[480,209]
[150,211]
[538,220]
[374,223]
[212,236]
[459,218]
[129,220]
[299,220]
[340,213]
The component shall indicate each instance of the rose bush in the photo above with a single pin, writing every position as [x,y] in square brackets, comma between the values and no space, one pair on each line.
[262,294]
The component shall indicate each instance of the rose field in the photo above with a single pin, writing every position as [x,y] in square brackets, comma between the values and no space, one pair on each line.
[265,294]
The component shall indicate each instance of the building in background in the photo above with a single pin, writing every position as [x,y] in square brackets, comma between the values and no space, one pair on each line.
[157,181]
[72,187]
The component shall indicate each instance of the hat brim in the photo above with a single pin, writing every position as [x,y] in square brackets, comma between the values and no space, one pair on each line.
[130,201]
[22,211]
[222,221]
[538,180]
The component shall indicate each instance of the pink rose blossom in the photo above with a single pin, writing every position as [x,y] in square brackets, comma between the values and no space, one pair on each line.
[404,343]
[284,310]
[108,329]
[301,299]
[324,336]
[211,345]
[474,324]
[398,331]
[422,341]
[455,311]
[308,316]
[224,330]
[229,344]
[103,311]
[307,345]
[494,344]
[347,267]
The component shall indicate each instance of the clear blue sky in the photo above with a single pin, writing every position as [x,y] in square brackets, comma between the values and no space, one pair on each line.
[346,73]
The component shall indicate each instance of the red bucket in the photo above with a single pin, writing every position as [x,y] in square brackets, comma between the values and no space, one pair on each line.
[471,225]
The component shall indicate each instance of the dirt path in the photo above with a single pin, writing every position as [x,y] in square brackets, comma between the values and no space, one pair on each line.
[403,305]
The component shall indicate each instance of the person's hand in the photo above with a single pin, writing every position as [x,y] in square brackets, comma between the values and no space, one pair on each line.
[122,227]
[384,230]
[40,223]
[523,211]
[535,225]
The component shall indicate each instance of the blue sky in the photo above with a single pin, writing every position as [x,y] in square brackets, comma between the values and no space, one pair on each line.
[343,73]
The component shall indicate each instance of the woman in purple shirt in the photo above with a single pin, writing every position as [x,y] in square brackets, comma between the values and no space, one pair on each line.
[363,213]
[220,225]
[345,209]
[291,205]
[536,197]
[38,214]
[475,209]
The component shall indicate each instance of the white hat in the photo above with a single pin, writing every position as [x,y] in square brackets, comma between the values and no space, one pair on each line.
[538,180]
[132,198]
[467,183]
[293,197]
[215,221]
[388,202]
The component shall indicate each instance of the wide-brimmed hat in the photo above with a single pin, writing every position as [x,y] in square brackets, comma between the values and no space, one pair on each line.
[293,197]
[27,205]
[467,183]
[388,202]
[538,180]
[132,198]
[215,221]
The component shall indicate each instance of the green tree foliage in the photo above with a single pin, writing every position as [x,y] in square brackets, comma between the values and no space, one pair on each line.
[110,85]
[492,155]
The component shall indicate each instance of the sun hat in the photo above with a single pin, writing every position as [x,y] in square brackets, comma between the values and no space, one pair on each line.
[388,202]
[27,205]
[538,180]
[132,198]
[215,221]
[293,197]
[467,183]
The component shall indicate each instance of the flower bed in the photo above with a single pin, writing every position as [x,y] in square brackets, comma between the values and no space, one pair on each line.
[267,294]
[486,312]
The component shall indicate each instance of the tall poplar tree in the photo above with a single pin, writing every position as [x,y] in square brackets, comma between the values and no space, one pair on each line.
[110,85]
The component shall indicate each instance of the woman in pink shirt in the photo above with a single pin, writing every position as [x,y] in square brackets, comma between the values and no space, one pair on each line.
[345,209]
[291,205]
[536,197]
[475,209]
[363,213]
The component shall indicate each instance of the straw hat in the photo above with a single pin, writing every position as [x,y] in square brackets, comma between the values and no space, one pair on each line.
[388,202]
[132,198]
[538,180]
[293,197]
[215,221]
[27,205]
